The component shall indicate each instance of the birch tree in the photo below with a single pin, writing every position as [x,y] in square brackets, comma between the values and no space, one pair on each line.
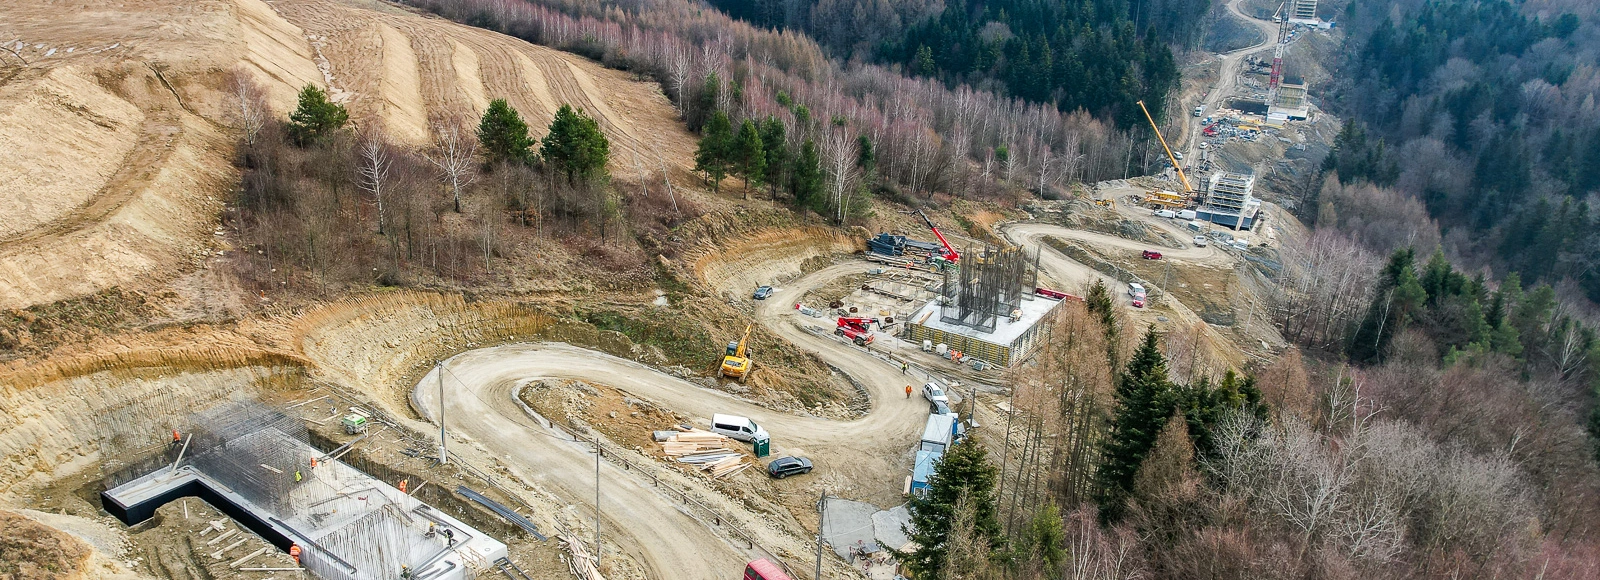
[454,154]
[375,161]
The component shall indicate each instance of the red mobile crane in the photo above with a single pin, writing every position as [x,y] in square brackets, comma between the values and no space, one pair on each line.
[858,330]
[950,254]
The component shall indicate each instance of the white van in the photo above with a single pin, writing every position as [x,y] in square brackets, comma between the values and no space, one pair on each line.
[1136,290]
[1165,213]
[736,427]
[1187,214]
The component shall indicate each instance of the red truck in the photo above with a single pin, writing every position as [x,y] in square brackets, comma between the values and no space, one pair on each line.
[858,330]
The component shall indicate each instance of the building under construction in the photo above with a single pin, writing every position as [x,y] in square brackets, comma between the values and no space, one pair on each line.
[1230,201]
[987,309]
[255,465]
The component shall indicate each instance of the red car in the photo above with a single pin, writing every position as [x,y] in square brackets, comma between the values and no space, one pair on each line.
[764,570]
[1152,255]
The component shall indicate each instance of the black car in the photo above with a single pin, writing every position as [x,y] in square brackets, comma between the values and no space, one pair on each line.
[786,466]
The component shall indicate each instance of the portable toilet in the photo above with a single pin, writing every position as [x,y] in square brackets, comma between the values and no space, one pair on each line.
[922,470]
[761,445]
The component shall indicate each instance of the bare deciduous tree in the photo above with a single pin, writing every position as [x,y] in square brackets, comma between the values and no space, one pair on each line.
[249,105]
[374,166]
[454,154]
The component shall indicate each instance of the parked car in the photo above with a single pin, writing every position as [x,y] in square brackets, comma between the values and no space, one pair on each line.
[939,408]
[1201,241]
[786,466]
[737,428]
[1166,213]
[1151,255]
[764,570]
[934,394]
[763,292]
[1137,293]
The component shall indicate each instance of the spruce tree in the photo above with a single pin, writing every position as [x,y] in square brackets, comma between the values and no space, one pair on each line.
[805,182]
[713,155]
[1145,399]
[316,118]
[773,143]
[964,470]
[1399,296]
[749,155]
[504,134]
[575,146]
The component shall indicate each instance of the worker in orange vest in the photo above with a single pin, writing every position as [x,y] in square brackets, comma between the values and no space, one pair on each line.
[177,439]
[908,391]
[294,552]
[403,483]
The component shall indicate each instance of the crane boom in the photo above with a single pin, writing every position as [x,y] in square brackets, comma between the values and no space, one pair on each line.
[743,342]
[1187,189]
[950,253]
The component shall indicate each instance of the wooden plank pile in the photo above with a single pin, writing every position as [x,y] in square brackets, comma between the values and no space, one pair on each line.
[709,451]
[692,441]
[581,564]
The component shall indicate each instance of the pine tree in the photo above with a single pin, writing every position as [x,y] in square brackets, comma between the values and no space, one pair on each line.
[773,136]
[963,473]
[866,159]
[713,156]
[575,145]
[316,118]
[1204,405]
[805,182]
[1145,399]
[749,155]
[504,134]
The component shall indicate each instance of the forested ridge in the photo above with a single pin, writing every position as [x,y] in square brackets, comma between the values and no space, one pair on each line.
[1485,113]
[1072,54]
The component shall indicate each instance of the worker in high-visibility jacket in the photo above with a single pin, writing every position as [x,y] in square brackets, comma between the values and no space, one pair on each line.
[294,552]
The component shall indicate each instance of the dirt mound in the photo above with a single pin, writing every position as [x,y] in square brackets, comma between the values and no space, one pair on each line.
[30,550]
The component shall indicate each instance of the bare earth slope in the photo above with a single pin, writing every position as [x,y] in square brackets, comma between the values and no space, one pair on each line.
[116,127]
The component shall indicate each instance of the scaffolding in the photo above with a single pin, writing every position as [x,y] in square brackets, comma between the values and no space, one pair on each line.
[988,287]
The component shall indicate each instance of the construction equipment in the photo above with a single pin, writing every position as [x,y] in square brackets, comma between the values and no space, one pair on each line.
[1277,55]
[1110,203]
[1165,199]
[1188,190]
[354,424]
[736,364]
[950,256]
[858,330]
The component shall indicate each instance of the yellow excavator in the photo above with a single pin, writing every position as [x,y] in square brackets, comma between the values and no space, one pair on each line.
[1153,197]
[736,364]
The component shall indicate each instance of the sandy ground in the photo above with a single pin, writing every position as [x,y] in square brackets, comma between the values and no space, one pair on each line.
[118,127]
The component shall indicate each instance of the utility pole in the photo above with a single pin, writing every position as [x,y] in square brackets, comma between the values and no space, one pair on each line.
[444,453]
[822,516]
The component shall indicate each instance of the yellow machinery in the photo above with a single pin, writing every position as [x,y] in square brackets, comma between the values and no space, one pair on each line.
[1106,203]
[1165,199]
[736,364]
[1188,190]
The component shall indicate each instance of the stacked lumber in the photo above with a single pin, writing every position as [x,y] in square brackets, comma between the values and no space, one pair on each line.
[581,564]
[693,441]
[708,450]
[725,466]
